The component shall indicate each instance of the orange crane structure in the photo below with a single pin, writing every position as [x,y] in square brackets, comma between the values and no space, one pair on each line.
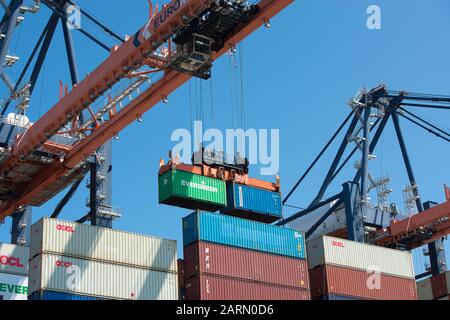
[180,41]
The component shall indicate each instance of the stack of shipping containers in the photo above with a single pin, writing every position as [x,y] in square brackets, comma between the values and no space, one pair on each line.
[342,269]
[13,272]
[434,288]
[71,261]
[231,258]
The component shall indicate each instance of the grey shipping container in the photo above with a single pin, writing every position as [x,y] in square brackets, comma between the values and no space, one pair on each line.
[103,244]
[93,278]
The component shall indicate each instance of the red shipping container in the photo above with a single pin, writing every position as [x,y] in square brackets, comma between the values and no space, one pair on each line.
[209,287]
[329,279]
[181,277]
[439,286]
[209,258]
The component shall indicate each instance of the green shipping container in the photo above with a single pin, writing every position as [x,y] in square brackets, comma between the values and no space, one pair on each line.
[191,191]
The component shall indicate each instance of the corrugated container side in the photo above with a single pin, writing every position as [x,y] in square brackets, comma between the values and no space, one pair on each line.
[93,278]
[13,287]
[337,297]
[181,273]
[447,280]
[182,294]
[208,287]
[215,259]
[362,256]
[424,289]
[253,203]
[191,191]
[439,286]
[14,259]
[103,244]
[232,231]
[330,279]
[60,296]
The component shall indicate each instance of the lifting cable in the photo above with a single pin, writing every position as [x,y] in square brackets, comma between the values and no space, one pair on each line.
[190,107]
[211,100]
[317,158]
[241,58]
[236,92]
[230,69]
[202,115]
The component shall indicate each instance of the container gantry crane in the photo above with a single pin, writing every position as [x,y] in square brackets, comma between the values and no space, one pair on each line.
[101,211]
[348,214]
[179,41]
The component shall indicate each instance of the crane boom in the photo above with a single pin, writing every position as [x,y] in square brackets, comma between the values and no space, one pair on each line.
[136,52]
[419,229]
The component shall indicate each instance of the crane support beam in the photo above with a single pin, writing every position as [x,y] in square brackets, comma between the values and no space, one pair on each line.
[122,61]
[434,221]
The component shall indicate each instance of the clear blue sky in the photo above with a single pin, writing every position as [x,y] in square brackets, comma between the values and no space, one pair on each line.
[298,76]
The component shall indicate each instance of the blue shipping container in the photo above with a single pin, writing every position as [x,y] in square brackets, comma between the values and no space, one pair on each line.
[253,203]
[236,232]
[60,296]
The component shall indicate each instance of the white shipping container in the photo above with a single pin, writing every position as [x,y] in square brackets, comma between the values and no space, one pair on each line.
[425,290]
[103,244]
[13,287]
[14,259]
[351,254]
[100,279]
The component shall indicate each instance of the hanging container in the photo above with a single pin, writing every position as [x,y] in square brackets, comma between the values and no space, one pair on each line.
[252,203]
[191,191]
[236,232]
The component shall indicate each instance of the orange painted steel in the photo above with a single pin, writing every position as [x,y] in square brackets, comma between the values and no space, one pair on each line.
[221,173]
[122,61]
[56,147]
[435,220]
